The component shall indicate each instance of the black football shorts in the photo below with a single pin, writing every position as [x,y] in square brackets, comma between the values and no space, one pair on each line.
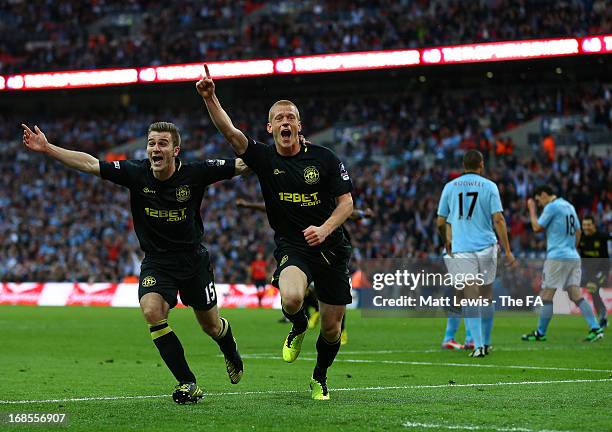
[189,274]
[328,269]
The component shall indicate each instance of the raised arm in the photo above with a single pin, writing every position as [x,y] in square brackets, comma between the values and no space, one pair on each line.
[233,135]
[37,141]
[344,207]
[533,217]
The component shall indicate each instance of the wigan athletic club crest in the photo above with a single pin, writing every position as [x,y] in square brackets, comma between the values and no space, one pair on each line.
[183,193]
[311,175]
[148,281]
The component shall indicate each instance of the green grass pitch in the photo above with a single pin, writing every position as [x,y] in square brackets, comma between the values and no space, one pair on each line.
[390,376]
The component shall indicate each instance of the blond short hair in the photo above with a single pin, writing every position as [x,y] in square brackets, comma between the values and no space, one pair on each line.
[281,103]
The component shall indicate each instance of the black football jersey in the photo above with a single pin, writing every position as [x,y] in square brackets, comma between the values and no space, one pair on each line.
[167,213]
[299,190]
[594,246]
[594,252]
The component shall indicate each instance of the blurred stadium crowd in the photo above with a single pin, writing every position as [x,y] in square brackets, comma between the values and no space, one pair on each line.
[400,148]
[75,34]
[56,224]
[407,123]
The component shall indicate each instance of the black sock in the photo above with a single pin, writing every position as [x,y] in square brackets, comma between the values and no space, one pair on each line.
[600,307]
[225,339]
[326,353]
[298,319]
[311,301]
[171,351]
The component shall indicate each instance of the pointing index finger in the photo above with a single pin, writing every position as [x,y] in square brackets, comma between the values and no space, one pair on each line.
[206,70]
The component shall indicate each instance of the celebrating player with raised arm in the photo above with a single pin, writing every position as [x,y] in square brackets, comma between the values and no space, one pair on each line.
[165,197]
[472,206]
[307,192]
[562,266]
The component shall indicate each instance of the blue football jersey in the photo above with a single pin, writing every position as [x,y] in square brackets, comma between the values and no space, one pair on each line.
[468,203]
[560,220]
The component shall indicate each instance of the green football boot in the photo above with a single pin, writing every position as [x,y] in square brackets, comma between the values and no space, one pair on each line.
[594,335]
[293,346]
[319,389]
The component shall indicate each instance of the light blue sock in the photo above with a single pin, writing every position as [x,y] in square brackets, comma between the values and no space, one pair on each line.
[468,335]
[473,322]
[587,312]
[487,322]
[545,316]
[452,324]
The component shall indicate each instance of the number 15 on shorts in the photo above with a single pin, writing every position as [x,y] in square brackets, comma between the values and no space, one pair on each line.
[210,292]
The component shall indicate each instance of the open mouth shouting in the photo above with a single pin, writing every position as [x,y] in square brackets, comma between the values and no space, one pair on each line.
[157,160]
[285,134]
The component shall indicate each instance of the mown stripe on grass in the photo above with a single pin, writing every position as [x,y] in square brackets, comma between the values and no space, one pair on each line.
[419,363]
[346,389]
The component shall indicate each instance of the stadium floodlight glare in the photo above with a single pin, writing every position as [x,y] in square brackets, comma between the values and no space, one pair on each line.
[596,44]
[500,51]
[241,68]
[220,70]
[432,56]
[284,66]
[592,45]
[80,79]
[356,61]
[15,82]
[333,62]
[147,75]
[73,79]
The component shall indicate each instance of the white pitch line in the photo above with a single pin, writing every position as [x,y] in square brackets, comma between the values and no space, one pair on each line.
[346,389]
[270,354]
[440,350]
[497,349]
[473,427]
[417,363]
[81,399]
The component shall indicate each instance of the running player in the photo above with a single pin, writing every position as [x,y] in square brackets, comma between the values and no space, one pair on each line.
[165,197]
[307,192]
[593,249]
[311,301]
[562,265]
[472,206]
